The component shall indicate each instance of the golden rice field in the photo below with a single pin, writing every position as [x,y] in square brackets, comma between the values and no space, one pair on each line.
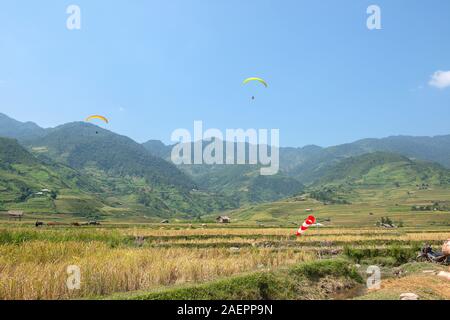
[116,259]
[38,269]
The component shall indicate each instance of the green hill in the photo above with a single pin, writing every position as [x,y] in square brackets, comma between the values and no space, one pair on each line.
[384,169]
[22,131]
[307,164]
[244,183]
[40,185]
[82,145]
[11,152]
[35,186]
[158,149]
[382,184]
[345,181]
[133,181]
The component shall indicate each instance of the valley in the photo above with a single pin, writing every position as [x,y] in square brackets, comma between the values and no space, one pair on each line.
[139,227]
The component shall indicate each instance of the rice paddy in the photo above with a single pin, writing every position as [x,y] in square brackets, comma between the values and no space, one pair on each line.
[125,258]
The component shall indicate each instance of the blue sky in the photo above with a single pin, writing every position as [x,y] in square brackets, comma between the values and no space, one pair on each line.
[154,66]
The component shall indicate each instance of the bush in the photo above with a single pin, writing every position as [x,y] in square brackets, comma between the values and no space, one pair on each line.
[394,254]
[322,268]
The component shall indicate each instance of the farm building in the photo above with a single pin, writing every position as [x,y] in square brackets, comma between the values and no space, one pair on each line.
[15,215]
[223,219]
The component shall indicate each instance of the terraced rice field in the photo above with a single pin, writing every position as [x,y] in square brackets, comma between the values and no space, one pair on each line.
[125,258]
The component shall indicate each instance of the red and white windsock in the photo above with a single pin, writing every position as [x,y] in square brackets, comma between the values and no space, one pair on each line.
[308,222]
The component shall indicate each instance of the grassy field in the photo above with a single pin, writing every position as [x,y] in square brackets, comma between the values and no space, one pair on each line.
[156,261]
[257,256]
[366,207]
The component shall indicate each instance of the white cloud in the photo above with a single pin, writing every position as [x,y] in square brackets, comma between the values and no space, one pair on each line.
[440,79]
[121,109]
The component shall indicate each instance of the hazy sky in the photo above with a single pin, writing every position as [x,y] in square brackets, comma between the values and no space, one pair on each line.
[154,66]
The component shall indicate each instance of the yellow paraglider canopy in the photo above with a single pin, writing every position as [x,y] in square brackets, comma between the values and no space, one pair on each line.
[97,117]
[256,79]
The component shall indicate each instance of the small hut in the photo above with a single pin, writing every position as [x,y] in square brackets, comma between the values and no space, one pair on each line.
[223,219]
[16,215]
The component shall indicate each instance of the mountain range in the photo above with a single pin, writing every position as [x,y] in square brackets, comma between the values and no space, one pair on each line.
[93,171]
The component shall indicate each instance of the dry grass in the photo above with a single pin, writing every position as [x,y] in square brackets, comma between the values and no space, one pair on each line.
[425,286]
[167,231]
[37,269]
[33,262]
[424,237]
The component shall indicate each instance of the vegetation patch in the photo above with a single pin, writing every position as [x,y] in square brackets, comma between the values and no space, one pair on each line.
[303,281]
[397,255]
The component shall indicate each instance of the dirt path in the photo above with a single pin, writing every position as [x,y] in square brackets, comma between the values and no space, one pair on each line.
[421,279]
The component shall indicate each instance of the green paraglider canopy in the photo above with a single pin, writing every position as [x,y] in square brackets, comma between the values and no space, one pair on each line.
[256,79]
